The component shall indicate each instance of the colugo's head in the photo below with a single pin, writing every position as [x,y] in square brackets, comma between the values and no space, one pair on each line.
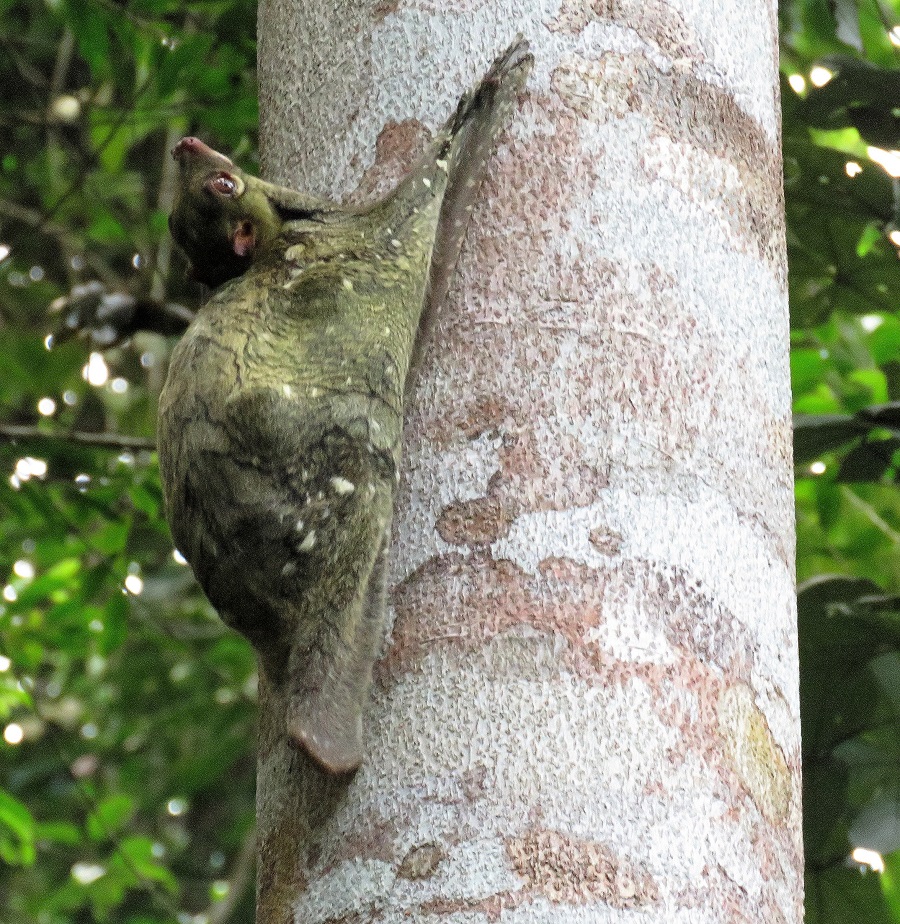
[222,217]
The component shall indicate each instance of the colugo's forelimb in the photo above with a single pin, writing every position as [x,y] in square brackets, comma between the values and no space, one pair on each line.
[480,117]
[281,418]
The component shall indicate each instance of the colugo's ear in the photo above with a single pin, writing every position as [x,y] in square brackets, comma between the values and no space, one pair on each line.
[243,241]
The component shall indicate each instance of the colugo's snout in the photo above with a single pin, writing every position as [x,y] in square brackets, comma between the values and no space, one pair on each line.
[194,147]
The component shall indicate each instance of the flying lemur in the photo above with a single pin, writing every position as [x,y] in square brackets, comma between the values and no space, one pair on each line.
[280,422]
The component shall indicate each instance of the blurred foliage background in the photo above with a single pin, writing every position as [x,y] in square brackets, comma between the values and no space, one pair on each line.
[127,760]
[126,710]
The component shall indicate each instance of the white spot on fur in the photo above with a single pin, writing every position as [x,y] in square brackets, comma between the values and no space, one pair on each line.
[441,165]
[348,285]
[309,540]
[426,182]
[299,525]
[287,390]
[289,569]
[342,486]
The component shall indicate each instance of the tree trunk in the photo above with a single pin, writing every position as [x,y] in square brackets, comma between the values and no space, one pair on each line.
[589,701]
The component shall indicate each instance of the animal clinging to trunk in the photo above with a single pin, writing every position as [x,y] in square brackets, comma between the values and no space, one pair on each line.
[281,419]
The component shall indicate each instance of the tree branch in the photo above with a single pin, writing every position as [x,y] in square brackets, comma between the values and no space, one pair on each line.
[13,432]
[109,317]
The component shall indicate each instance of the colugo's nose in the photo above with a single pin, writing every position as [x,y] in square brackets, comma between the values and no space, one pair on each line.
[191,145]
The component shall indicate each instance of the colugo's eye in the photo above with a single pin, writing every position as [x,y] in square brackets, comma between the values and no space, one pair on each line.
[224,184]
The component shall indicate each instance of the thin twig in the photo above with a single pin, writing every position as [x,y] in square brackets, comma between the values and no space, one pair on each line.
[221,911]
[54,145]
[63,60]
[164,201]
[869,511]
[26,69]
[78,183]
[36,220]
[12,432]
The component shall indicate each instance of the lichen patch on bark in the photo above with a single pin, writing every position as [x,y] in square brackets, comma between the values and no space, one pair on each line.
[605,541]
[569,870]
[472,416]
[693,113]
[754,754]
[397,148]
[653,20]
[474,522]
[433,605]
[384,8]
[421,861]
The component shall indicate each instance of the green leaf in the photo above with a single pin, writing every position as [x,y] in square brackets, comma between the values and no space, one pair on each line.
[89,25]
[884,341]
[189,54]
[112,537]
[818,434]
[16,817]
[17,820]
[869,461]
[107,230]
[138,854]
[807,369]
[838,895]
[111,814]
[876,43]
[59,576]
[57,832]
[871,235]
[890,882]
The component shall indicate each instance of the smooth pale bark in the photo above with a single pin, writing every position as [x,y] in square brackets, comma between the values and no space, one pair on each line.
[589,700]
